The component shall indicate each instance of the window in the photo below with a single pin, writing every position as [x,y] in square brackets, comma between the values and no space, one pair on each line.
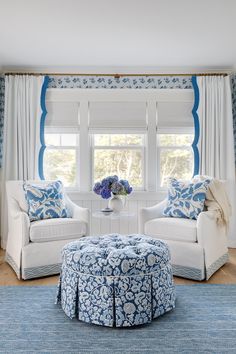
[141,135]
[119,154]
[61,158]
[175,157]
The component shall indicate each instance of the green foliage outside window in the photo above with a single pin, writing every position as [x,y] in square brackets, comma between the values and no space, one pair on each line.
[127,164]
[60,164]
[124,160]
[120,154]
[176,157]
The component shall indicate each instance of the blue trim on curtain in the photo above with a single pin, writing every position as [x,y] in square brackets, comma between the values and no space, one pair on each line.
[42,123]
[196,126]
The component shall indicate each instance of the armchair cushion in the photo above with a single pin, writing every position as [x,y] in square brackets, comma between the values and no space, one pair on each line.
[56,229]
[175,229]
[185,198]
[45,202]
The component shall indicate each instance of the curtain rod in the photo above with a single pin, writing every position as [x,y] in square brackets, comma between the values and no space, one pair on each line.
[116,76]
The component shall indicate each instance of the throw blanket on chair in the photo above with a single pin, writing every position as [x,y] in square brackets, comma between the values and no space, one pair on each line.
[217,200]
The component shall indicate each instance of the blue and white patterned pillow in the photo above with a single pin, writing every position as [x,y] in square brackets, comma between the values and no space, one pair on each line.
[45,202]
[185,198]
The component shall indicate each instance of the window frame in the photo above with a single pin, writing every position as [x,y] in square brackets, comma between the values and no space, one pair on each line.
[141,148]
[61,131]
[169,131]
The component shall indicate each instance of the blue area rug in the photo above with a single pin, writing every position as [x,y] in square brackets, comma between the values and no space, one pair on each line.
[204,321]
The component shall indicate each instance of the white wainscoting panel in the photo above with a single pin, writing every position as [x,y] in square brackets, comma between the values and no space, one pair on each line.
[123,225]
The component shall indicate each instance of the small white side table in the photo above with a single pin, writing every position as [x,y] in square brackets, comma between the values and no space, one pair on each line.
[113,216]
[113,222]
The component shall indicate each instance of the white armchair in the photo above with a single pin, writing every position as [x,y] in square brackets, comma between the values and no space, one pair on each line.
[198,247]
[34,248]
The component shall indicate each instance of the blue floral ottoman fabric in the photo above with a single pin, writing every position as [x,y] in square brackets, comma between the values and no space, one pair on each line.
[116,280]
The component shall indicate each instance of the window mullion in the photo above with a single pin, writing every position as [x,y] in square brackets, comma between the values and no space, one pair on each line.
[118,147]
[151,176]
[55,147]
[84,151]
[77,161]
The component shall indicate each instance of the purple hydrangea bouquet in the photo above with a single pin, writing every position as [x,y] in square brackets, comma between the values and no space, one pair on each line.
[111,185]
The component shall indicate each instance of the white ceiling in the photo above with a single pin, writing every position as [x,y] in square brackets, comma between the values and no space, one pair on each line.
[116,35]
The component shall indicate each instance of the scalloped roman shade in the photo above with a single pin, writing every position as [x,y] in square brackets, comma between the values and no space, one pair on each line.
[174,114]
[62,115]
[117,116]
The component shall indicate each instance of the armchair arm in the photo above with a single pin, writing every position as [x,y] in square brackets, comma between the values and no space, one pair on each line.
[18,234]
[150,213]
[82,214]
[212,238]
[18,224]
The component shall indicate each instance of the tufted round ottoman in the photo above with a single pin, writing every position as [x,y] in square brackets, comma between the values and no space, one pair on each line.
[116,280]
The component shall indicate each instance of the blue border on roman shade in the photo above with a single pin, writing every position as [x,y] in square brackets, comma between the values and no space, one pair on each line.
[42,124]
[196,126]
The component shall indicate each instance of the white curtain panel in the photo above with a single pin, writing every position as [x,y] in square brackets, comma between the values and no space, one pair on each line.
[216,141]
[21,142]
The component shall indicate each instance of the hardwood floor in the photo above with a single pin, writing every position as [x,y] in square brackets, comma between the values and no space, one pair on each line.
[225,275]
